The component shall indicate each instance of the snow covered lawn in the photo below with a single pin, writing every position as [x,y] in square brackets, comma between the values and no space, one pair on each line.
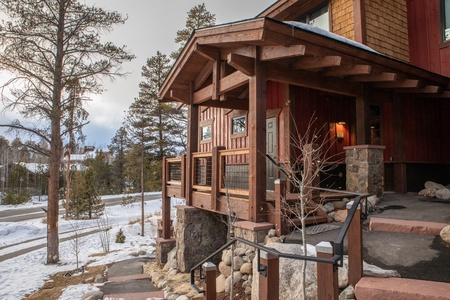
[26,273]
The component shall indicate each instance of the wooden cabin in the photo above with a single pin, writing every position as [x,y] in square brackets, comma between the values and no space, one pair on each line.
[374,72]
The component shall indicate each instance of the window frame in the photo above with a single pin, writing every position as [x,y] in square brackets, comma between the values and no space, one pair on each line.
[325,4]
[442,6]
[236,115]
[203,124]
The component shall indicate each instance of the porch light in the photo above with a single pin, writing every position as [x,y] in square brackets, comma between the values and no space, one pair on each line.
[342,123]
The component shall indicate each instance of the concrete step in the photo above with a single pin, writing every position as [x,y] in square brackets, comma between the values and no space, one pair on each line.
[369,288]
[405,226]
[136,296]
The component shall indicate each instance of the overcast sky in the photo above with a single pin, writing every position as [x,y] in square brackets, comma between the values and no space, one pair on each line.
[151,27]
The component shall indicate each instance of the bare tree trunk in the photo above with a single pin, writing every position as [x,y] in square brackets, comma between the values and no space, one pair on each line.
[142,190]
[67,183]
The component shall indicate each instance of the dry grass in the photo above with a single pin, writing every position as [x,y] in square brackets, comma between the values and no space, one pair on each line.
[53,288]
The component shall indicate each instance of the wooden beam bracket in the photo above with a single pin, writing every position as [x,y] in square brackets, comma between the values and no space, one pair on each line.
[278,52]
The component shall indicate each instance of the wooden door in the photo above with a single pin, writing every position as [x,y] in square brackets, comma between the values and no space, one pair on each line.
[271,149]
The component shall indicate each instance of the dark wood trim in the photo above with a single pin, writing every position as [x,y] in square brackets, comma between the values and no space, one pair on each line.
[355,249]
[363,118]
[400,183]
[359,13]
[192,147]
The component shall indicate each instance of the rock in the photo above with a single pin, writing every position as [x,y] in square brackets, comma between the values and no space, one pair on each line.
[339,204]
[183,297]
[433,185]
[162,284]
[240,251]
[290,275]
[226,257]
[248,290]
[245,277]
[342,277]
[236,278]
[445,234]
[329,206]
[443,194]
[340,215]
[247,283]
[251,256]
[224,269]
[142,252]
[246,268]
[238,262]
[100,278]
[89,280]
[431,193]
[93,295]
[272,240]
[172,297]
[220,283]
[172,272]
[171,260]
[272,233]
[134,253]
[332,215]
[373,201]
[374,271]
[348,293]
[322,207]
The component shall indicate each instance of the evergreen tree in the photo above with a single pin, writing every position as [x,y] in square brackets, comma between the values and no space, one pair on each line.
[48,46]
[85,201]
[102,170]
[118,150]
[198,17]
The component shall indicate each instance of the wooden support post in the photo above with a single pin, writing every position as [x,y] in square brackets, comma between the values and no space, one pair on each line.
[363,118]
[215,178]
[165,202]
[183,176]
[269,279]
[280,196]
[327,274]
[257,143]
[210,277]
[310,168]
[355,249]
[192,147]
[400,179]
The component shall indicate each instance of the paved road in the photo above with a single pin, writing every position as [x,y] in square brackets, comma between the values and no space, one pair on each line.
[29,213]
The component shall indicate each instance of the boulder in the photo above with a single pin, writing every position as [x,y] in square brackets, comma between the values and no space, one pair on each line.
[237,276]
[342,278]
[171,260]
[290,275]
[339,204]
[220,283]
[272,233]
[373,201]
[445,234]
[183,297]
[142,252]
[226,257]
[443,194]
[246,268]
[240,251]
[433,185]
[224,269]
[427,193]
[340,215]
[348,293]
[238,262]
[93,295]
[322,207]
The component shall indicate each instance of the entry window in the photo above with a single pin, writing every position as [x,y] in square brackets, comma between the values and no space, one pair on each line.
[445,9]
[317,17]
[238,125]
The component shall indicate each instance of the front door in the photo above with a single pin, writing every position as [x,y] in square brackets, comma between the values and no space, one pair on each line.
[271,149]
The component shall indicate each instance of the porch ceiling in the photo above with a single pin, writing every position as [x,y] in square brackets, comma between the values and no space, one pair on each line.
[215,67]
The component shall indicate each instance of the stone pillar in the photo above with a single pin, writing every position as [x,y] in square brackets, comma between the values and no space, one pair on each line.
[163,247]
[365,169]
[198,234]
[251,231]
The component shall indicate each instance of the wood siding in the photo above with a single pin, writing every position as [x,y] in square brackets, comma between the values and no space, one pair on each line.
[342,18]
[425,37]
[387,27]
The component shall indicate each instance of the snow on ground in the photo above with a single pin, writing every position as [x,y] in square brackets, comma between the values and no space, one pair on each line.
[26,273]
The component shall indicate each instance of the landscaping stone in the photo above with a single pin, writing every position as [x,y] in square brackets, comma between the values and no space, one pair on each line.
[237,276]
[220,283]
[443,194]
[93,295]
[340,215]
[347,293]
[445,234]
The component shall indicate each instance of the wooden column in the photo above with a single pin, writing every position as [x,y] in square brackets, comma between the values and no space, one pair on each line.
[257,141]
[192,147]
[400,181]
[215,178]
[327,274]
[286,127]
[355,249]
[363,118]
[210,277]
[269,279]
[165,218]
[280,195]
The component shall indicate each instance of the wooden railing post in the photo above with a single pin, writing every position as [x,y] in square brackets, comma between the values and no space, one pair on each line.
[183,176]
[210,276]
[215,176]
[280,196]
[327,274]
[355,249]
[165,202]
[269,279]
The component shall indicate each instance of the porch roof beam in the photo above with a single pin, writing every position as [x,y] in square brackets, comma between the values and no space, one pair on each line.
[226,84]
[269,53]
[208,52]
[242,63]
[316,62]
[180,95]
[312,80]
[381,77]
[399,84]
[203,75]
[429,89]
[349,70]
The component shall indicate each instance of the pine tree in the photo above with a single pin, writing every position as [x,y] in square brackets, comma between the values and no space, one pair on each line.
[94,202]
[118,148]
[85,201]
[47,46]
[198,17]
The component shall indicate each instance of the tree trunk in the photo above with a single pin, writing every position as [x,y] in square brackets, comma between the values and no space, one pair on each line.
[55,145]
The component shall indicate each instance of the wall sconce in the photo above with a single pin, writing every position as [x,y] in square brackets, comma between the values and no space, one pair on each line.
[341,123]
[340,135]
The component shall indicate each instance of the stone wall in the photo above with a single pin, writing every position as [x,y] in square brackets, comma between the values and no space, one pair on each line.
[365,169]
[198,233]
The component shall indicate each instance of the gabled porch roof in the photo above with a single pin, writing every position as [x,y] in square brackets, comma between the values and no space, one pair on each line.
[291,54]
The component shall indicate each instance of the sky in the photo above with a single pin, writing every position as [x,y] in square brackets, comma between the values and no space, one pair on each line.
[151,27]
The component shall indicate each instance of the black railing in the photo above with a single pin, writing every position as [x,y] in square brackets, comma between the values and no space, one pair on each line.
[337,259]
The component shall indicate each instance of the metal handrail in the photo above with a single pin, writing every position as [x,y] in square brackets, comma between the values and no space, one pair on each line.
[337,259]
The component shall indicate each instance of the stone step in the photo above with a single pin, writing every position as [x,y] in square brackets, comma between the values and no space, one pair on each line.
[405,226]
[369,288]
[136,296]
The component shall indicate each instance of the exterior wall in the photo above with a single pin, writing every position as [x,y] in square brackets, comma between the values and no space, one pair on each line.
[426,46]
[387,27]
[342,18]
